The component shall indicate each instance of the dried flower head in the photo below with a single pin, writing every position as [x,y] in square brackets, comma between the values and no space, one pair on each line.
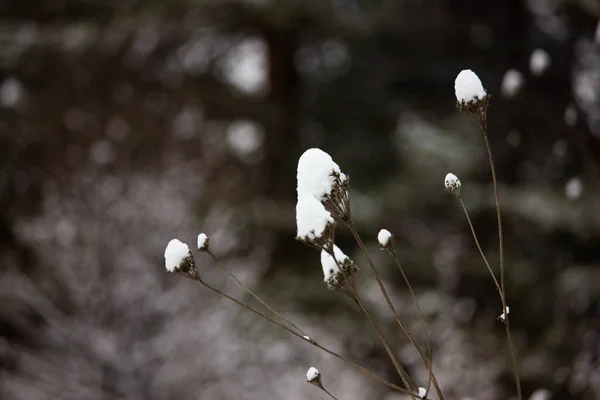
[339,271]
[452,184]
[384,237]
[203,242]
[179,258]
[471,97]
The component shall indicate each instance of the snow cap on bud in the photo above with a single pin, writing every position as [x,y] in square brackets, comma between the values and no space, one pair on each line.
[471,97]
[502,316]
[384,237]
[422,392]
[468,87]
[203,242]
[339,272]
[313,375]
[178,257]
[452,184]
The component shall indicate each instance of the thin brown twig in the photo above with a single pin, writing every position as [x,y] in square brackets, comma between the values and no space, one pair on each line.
[351,291]
[502,299]
[305,338]
[416,303]
[399,321]
[254,295]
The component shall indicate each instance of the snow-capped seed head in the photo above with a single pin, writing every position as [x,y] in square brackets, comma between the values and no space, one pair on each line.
[452,184]
[317,173]
[468,87]
[422,392]
[203,242]
[502,316]
[539,62]
[312,375]
[384,237]
[471,97]
[339,272]
[178,257]
[312,220]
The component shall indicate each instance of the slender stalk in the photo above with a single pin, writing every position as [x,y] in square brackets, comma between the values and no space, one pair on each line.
[399,321]
[330,395]
[414,298]
[513,352]
[254,295]
[350,289]
[497,199]
[305,338]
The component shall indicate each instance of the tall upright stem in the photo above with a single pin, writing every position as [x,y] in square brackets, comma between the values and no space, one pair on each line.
[393,309]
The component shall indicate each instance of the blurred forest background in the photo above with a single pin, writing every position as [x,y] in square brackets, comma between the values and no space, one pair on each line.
[126,123]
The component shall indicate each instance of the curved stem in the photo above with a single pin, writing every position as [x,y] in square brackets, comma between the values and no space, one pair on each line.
[350,289]
[416,303]
[254,295]
[306,339]
[399,321]
[513,352]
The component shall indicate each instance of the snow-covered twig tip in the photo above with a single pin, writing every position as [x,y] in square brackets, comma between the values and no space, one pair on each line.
[178,257]
[384,237]
[312,219]
[203,242]
[468,87]
[452,184]
[317,173]
[313,375]
[422,392]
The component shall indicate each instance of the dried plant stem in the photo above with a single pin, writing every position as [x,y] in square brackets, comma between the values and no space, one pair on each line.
[304,338]
[414,298]
[401,323]
[502,299]
[330,395]
[350,289]
[254,295]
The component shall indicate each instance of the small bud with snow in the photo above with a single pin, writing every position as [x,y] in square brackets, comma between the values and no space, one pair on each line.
[471,97]
[422,392]
[179,258]
[313,222]
[384,237]
[502,316]
[339,271]
[539,62]
[313,375]
[452,184]
[203,242]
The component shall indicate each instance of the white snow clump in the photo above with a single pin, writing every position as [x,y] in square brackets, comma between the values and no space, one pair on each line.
[175,254]
[312,374]
[311,218]
[383,237]
[330,267]
[468,87]
[315,174]
[422,392]
[452,183]
[202,242]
